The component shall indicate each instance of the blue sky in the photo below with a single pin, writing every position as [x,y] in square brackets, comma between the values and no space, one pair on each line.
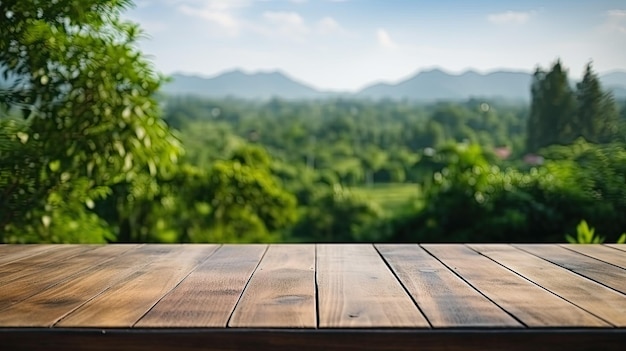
[347,44]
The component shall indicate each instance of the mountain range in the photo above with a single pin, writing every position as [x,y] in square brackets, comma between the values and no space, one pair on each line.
[427,85]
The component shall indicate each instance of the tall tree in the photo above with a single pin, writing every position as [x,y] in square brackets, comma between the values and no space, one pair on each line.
[597,115]
[589,97]
[552,109]
[89,120]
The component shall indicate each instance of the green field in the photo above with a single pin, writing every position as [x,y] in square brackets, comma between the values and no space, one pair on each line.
[391,197]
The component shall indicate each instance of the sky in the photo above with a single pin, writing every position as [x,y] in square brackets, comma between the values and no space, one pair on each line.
[344,45]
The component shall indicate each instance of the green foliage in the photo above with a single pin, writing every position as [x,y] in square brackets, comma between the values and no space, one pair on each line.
[235,200]
[393,198]
[339,215]
[552,109]
[470,199]
[361,142]
[84,156]
[560,115]
[89,119]
[584,235]
[246,200]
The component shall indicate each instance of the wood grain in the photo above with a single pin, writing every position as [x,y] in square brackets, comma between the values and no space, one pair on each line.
[180,297]
[529,303]
[126,302]
[600,252]
[10,253]
[207,297]
[281,292]
[621,247]
[55,271]
[35,265]
[357,289]
[604,273]
[445,299]
[587,294]
[47,307]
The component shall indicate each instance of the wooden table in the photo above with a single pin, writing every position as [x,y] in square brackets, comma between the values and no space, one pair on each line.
[306,296]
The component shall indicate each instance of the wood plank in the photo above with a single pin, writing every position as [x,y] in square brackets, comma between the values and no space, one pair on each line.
[55,271]
[34,265]
[617,246]
[281,292]
[357,289]
[445,299]
[529,303]
[126,302]
[11,253]
[600,252]
[604,273]
[47,307]
[207,297]
[593,297]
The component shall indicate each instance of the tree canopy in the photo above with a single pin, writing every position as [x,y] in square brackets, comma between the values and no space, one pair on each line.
[79,109]
[560,115]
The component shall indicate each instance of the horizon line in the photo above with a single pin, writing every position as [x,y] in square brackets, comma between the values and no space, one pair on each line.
[457,73]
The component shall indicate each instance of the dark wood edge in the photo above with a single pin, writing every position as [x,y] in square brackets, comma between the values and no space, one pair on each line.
[312,339]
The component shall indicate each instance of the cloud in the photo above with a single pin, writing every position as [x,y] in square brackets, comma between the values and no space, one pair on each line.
[384,39]
[285,23]
[616,20]
[617,13]
[329,25]
[284,18]
[509,17]
[221,14]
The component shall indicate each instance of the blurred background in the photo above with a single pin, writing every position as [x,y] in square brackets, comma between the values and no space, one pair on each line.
[312,121]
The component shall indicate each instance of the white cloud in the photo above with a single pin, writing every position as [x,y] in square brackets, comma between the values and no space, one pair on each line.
[509,17]
[617,13]
[616,20]
[384,39]
[221,14]
[284,18]
[329,25]
[287,24]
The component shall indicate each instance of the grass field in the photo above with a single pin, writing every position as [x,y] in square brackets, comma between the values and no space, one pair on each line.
[391,197]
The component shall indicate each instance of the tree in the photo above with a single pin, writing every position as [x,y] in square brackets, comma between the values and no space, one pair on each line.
[338,215]
[89,117]
[597,116]
[247,202]
[552,109]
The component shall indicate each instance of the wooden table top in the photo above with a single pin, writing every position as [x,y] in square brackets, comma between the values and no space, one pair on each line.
[313,296]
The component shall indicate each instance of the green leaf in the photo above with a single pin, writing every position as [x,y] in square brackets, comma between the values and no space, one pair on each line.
[54,165]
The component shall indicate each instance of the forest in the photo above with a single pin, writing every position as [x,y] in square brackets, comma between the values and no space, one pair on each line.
[92,152]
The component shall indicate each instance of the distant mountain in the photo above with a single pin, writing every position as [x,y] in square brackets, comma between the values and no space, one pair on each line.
[619,92]
[424,86]
[615,78]
[616,82]
[242,85]
[439,85]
